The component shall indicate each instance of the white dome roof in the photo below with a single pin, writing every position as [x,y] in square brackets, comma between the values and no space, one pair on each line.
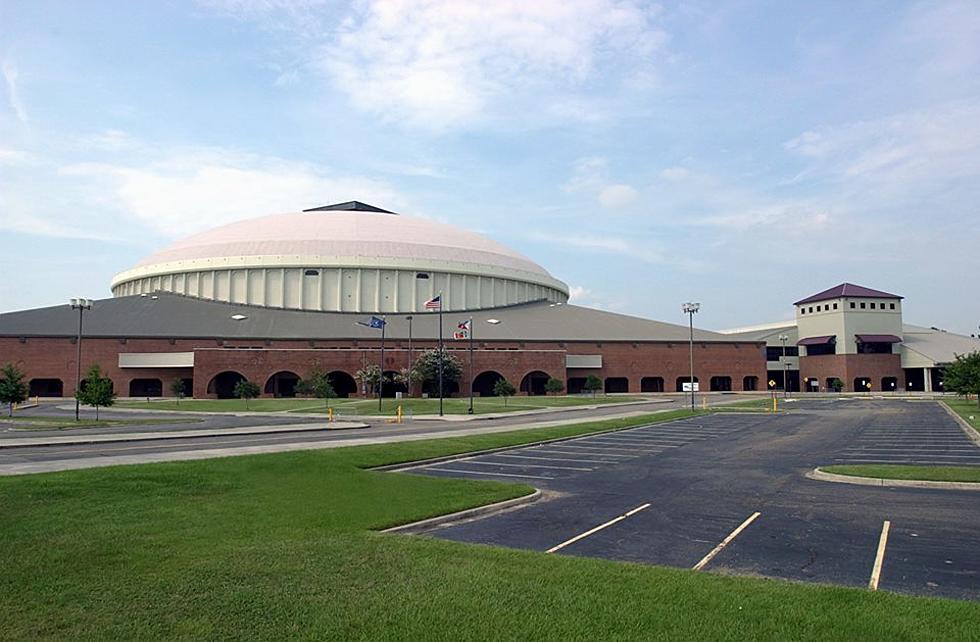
[353,234]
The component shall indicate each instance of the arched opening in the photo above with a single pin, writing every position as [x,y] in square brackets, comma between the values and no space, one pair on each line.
[484,383]
[343,384]
[145,388]
[862,384]
[652,384]
[282,384]
[83,384]
[684,380]
[431,387]
[46,388]
[616,384]
[222,385]
[392,387]
[750,384]
[889,384]
[533,382]
[720,383]
[575,385]
[835,384]
[188,387]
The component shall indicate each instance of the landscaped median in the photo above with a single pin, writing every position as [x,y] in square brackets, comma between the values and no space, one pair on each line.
[284,546]
[901,475]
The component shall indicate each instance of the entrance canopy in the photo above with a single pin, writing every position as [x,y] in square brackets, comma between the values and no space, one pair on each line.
[817,341]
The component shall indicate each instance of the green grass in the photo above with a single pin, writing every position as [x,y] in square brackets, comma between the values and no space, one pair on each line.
[282,546]
[455,406]
[46,422]
[965,408]
[751,405]
[899,471]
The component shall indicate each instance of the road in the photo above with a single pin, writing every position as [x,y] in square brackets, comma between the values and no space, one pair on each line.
[695,483]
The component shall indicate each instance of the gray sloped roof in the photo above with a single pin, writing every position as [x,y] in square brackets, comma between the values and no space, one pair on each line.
[938,345]
[173,316]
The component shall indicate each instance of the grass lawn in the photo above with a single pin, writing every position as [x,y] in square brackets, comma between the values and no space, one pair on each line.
[965,408]
[481,405]
[762,404]
[282,546]
[43,422]
[898,471]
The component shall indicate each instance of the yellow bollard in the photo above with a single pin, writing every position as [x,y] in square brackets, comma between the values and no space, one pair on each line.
[330,414]
[775,404]
[399,413]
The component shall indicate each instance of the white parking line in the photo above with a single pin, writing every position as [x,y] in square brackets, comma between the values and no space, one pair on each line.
[629,450]
[493,463]
[717,549]
[597,528]
[480,472]
[880,556]
[574,461]
[579,452]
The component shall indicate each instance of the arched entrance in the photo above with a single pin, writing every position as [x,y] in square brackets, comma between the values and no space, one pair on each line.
[282,384]
[575,385]
[145,388]
[682,380]
[392,386]
[750,384]
[46,388]
[484,383]
[616,384]
[862,384]
[343,384]
[222,385]
[652,384]
[720,384]
[889,384]
[533,382]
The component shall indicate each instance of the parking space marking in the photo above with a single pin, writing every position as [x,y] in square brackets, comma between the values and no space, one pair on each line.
[597,528]
[629,450]
[880,556]
[574,461]
[577,452]
[717,549]
[495,463]
[485,473]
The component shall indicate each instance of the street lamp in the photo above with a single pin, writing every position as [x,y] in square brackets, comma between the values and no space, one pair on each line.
[409,319]
[784,338]
[690,309]
[81,305]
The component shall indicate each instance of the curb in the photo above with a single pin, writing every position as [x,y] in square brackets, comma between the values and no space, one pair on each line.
[820,475]
[433,523]
[970,431]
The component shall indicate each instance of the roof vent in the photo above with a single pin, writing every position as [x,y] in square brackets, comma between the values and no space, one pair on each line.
[349,206]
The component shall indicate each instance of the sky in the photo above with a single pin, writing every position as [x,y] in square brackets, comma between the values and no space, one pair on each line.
[739,154]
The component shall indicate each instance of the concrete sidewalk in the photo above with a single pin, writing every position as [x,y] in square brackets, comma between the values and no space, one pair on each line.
[68,440]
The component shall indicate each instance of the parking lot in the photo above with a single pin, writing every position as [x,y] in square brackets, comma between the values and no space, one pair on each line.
[727,493]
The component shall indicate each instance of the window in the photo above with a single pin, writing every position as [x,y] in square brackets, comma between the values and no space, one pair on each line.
[811,308]
[863,305]
[835,306]
[775,353]
[892,306]
[311,273]
[852,305]
[802,310]
[872,305]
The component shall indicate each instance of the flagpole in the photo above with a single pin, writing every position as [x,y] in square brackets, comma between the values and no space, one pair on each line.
[381,372]
[442,354]
[471,364]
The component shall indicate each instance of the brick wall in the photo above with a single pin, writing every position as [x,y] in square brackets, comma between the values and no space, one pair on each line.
[848,367]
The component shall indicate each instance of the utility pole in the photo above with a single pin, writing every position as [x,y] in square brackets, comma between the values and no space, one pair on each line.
[690,309]
[81,305]
[784,338]
[470,329]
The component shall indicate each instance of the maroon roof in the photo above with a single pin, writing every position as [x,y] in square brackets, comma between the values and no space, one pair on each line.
[817,341]
[848,289]
[878,338]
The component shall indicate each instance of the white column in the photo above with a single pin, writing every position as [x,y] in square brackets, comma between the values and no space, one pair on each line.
[927,379]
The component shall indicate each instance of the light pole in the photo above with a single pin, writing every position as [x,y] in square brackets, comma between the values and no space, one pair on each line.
[381,372]
[81,305]
[690,309]
[409,319]
[784,339]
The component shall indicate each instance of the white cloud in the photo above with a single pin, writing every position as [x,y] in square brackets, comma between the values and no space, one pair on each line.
[616,196]
[675,173]
[590,176]
[15,157]
[440,64]
[10,75]
[577,294]
[603,244]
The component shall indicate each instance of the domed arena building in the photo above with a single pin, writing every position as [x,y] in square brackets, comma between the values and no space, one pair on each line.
[270,299]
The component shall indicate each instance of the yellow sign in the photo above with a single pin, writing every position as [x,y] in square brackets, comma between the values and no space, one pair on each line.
[772,383]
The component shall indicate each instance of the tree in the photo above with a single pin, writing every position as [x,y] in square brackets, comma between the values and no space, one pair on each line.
[504,388]
[408,378]
[963,376]
[427,365]
[317,384]
[96,390]
[177,388]
[12,387]
[592,384]
[246,390]
[368,377]
[836,384]
[554,386]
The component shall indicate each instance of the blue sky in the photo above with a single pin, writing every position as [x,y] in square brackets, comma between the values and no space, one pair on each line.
[740,154]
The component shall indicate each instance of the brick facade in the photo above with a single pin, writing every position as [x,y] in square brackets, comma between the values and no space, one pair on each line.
[849,367]
[743,363]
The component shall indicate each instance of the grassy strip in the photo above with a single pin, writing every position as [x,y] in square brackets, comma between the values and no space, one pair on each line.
[900,471]
[454,406]
[967,409]
[42,422]
[281,546]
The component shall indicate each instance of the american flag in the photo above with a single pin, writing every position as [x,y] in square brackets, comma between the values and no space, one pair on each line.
[435,303]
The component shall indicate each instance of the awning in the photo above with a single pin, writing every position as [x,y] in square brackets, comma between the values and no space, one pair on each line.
[817,341]
[878,338]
